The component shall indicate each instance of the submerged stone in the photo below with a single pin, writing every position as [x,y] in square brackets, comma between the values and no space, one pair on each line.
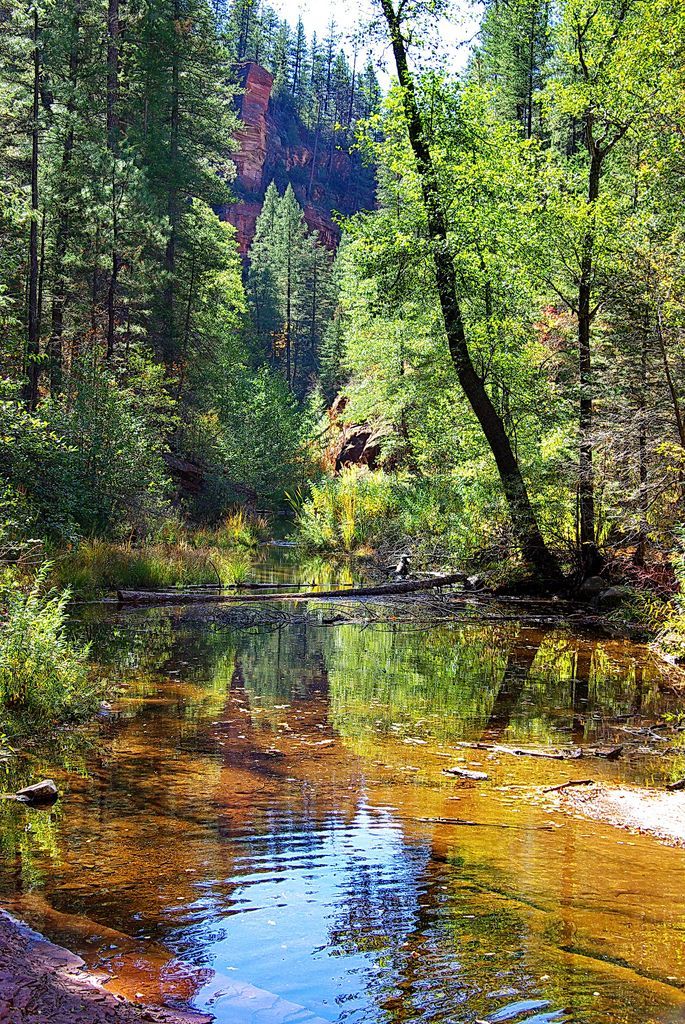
[44,792]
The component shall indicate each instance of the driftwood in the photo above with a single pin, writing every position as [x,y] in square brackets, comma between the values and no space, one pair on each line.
[386,589]
[566,785]
[571,754]
[466,773]
[487,824]
[608,753]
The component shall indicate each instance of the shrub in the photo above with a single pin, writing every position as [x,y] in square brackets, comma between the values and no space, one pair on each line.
[448,517]
[670,639]
[44,674]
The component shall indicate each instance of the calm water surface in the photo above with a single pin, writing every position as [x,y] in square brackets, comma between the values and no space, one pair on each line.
[262,826]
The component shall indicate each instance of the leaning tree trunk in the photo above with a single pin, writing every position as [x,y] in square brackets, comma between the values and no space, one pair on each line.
[521,511]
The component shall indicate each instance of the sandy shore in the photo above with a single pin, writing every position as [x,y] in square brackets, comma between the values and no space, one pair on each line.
[643,811]
[41,982]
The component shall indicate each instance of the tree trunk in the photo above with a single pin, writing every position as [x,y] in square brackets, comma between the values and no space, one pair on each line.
[675,401]
[113,147]
[60,280]
[531,70]
[639,556]
[317,132]
[521,511]
[590,558]
[33,317]
[288,310]
[172,199]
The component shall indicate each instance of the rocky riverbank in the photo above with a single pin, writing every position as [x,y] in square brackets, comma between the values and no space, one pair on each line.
[40,981]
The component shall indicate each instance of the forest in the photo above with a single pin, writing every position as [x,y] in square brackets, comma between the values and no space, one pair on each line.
[342,512]
[505,323]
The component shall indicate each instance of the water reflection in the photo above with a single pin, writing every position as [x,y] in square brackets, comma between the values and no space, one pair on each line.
[263,824]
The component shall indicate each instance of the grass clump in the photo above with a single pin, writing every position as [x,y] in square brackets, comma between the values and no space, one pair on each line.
[44,673]
[348,512]
[440,520]
[98,567]
[239,529]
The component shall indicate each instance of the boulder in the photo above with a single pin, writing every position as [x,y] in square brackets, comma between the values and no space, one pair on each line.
[44,792]
[613,597]
[591,587]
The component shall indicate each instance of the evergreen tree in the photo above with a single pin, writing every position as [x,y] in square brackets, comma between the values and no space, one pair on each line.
[289,288]
[513,55]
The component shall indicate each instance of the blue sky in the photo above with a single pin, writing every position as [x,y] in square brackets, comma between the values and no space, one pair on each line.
[316,14]
[351,15]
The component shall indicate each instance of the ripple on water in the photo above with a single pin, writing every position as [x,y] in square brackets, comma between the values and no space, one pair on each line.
[308,883]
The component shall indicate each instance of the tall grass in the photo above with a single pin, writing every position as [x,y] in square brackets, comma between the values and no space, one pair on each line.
[44,674]
[447,518]
[348,512]
[238,529]
[97,567]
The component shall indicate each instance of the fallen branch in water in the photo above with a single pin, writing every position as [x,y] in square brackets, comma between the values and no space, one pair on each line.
[386,589]
[566,785]
[466,773]
[554,754]
[487,824]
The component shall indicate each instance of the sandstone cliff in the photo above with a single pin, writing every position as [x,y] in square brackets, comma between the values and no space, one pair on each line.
[276,146]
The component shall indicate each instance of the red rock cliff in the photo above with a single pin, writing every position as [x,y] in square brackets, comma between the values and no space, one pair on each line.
[276,146]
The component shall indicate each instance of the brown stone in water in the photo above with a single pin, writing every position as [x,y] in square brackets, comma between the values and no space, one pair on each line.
[44,792]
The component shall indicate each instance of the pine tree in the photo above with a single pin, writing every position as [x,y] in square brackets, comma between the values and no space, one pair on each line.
[514,54]
[263,288]
[289,288]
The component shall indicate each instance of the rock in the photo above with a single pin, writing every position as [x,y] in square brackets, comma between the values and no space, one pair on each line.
[360,445]
[592,586]
[609,753]
[44,792]
[466,773]
[275,144]
[613,597]
[473,583]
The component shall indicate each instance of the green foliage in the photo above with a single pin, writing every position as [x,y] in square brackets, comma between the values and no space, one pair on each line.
[98,567]
[441,519]
[290,287]
[670,639]
[44,674]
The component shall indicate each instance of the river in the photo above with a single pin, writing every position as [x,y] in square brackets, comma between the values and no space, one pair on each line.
[261,825]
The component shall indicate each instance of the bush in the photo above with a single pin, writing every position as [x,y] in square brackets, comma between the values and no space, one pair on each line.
[447,517]
[44,675]
[670,639]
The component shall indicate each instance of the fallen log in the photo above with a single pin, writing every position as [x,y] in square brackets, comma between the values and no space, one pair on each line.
[387,589]
[554,754]
[486,824]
